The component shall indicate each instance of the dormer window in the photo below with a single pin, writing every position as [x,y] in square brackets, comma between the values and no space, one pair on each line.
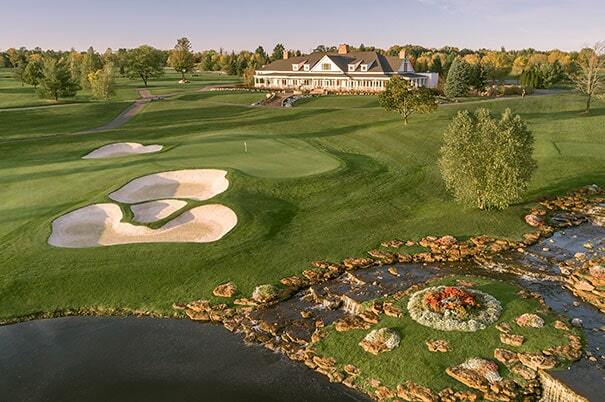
[306,67]
[351,67]
[364,67]
[294,67]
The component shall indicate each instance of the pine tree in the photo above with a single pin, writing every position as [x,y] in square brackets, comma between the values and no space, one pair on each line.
[458,77]
[56,81]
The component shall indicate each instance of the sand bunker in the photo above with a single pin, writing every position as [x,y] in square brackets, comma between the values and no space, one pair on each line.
[154,211]
[100,225]
[195,184]
[122,149]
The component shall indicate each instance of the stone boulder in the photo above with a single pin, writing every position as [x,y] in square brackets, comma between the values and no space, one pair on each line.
[537,361]
[225,290]
[438,345]
[265,293]
[476,373]
[380,340]
[512,339]
[530,320]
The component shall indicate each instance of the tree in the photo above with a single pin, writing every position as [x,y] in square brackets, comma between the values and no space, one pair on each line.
[278,52]
[34,71]
[19,72]
[458,77]
[102,82]
[485,162]
[144,62]
[497,65]
[91,62]
[16,56]
[588,79]
[399,95]
[248,77]
[56,81]
[477,77]
[181,58]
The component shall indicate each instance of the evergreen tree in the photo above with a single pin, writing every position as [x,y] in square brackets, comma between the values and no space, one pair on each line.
[485,162]
[458,78]
[56,81]
[278,52]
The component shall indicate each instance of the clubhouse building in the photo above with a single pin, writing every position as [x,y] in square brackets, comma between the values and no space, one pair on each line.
[343,71]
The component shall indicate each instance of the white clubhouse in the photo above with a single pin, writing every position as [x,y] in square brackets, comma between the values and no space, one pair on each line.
[343,71]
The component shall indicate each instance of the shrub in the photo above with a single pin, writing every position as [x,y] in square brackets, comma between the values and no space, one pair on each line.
[487,163]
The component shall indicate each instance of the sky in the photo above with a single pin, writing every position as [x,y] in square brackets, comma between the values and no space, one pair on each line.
[239,24]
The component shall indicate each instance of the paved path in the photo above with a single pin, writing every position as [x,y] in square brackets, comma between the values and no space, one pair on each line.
[117,122]
[128,113]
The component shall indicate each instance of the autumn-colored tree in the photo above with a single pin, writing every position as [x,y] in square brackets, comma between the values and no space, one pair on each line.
[589,78]
[181,57]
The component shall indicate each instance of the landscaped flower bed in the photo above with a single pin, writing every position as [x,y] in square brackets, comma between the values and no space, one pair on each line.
[454,308]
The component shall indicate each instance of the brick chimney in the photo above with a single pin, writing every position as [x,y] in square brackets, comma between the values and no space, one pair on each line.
[402,54]
[286,55]
[343,48]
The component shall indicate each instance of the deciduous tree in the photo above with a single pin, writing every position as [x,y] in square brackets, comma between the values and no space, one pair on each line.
[181,58]
[588,79]
[144,62]
[102,82]
[485,162]
[34,71]
[399,95]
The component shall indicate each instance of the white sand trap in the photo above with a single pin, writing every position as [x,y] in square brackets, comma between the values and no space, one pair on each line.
[122,149]
[154,211]
[195,184]
[100,225]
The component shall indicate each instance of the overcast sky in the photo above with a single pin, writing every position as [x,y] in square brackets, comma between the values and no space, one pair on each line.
[237,24]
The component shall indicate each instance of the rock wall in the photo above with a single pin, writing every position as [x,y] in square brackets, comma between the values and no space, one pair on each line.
[554,390]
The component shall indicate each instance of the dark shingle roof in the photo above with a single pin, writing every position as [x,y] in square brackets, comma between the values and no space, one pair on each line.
[382,64]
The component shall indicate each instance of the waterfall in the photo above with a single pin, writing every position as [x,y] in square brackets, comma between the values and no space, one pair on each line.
[554,390]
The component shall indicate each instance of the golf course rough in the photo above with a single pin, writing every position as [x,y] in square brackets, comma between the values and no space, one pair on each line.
[122,149]
[101,224]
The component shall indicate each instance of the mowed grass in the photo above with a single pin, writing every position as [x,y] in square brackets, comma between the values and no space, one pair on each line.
[412,361]
[317,182]
[15,95]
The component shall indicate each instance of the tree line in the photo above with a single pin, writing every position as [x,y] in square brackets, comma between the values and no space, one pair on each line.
[57,73]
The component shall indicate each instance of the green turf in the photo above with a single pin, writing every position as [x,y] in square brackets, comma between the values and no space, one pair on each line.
[317,182]
[15,95]
[412,361]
